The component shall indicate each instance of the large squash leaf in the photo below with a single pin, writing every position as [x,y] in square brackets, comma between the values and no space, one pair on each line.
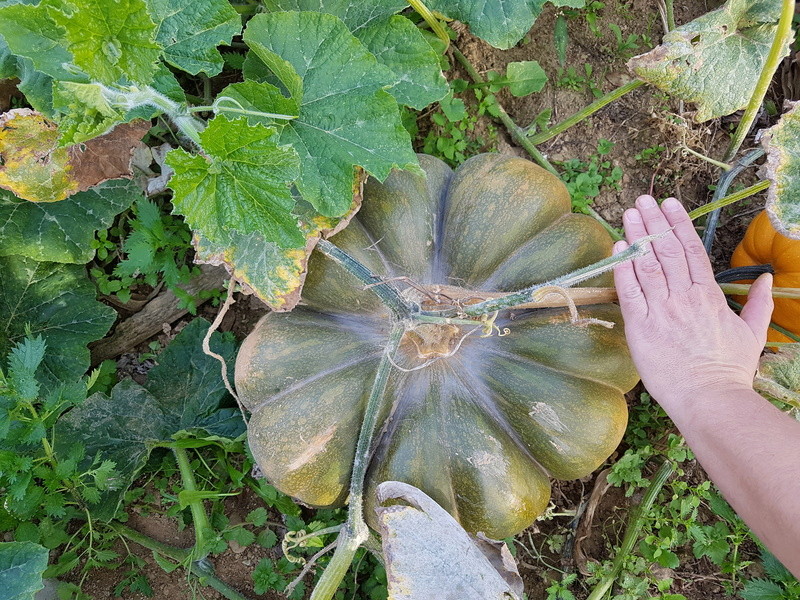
[346,118]
[394,40]
[241,184]
[715,60]
[62,231]
[782,143]
[429,555]
[190,32]
[183,395]
[502,23]
[21,568]
[57,302]
[110,39]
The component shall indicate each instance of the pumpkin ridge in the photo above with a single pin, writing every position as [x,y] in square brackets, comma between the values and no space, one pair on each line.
[300,384]
[526,359]
[488,406]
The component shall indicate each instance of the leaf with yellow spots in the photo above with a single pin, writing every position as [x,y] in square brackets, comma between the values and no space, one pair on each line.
[33,167]
[276,275]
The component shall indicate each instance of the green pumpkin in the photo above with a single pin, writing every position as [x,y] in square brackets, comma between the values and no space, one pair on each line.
[482,429]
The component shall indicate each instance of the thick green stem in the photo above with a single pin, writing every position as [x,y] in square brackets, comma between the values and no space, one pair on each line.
[729,199]
[355,531]
[385,291]
[579,116]
[202,528]
[515,130]
[431,20]
[636,249]
[634,527]
[669,8]
[742,289]
[782,36]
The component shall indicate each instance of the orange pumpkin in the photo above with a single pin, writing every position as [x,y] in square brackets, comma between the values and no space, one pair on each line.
[761,245]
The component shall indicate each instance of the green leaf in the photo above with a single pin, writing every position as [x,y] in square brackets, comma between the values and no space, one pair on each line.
[346,118]
[259,97]
[397,43]
[57,302]
[240,185]
[21,568]
[30,32]
[502,23]
[257,517]
[183,392]
[110,39]
[355,15]
[782,143]
[190,32]
[762,589]
[62,231]
[526,77]
[715,60]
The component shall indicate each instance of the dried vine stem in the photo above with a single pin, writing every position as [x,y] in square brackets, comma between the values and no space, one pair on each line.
[207,346]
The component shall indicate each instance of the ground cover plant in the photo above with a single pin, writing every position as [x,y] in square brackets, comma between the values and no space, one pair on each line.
[144,138]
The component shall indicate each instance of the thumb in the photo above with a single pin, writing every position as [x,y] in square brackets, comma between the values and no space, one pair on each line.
[758,310]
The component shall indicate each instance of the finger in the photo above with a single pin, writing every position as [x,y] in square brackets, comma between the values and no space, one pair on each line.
[700,269]
[631,298]
[757,312]
[668,249]
[647,268]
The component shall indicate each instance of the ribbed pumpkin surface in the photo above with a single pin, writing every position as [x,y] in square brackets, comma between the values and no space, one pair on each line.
[762,245]
[480,431]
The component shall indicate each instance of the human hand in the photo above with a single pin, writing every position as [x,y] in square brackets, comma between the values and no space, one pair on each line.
[683,337]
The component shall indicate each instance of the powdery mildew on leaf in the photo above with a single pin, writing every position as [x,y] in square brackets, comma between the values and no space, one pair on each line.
[346,118]
[429,555]
[782,143]
[502,23]
[182,394]
[110,39]
[62,231]
[715,60]
[190,32]
[56,301]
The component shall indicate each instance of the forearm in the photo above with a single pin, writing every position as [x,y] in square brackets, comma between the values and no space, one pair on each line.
[751,451]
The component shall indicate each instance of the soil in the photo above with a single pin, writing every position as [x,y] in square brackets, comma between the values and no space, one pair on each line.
[640,120]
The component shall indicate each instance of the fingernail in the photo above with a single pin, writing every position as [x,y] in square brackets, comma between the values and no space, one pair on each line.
[633,215]
[620,246]
[671,205]
[646,201]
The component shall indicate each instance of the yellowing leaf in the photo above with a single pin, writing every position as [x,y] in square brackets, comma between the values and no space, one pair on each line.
[35,168]
[715,60]
[32,166]
[782,143]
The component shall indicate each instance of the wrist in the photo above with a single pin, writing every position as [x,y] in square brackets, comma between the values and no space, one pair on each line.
[683,404]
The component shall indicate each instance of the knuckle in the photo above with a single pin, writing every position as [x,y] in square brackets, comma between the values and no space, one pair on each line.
[629,291]
[650,267]
[670,251]
[694,248]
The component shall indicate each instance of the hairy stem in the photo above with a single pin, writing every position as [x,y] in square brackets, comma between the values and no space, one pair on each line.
[579,116]
[729,199]
[355,531]
[638,248]
[632,533]
[599,218]
[515,130]
[782,36]
[384,290]
[742,289]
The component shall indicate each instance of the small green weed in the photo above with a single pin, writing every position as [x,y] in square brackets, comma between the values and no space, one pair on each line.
[452,136]
[651,155]
[578,80]
[585,180]
[779,583]
[154,247]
